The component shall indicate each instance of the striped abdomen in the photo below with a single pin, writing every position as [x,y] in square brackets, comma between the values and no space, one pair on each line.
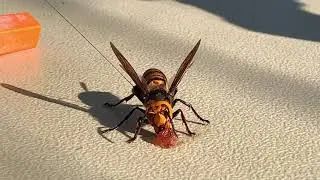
[155,79]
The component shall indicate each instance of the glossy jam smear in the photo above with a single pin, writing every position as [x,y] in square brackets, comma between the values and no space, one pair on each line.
[165,139]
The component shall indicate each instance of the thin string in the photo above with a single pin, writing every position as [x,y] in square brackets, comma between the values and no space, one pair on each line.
[86,40]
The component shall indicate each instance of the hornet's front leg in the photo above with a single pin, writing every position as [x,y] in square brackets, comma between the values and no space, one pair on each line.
[183,120]
[171,121]
[124,99]
[190,106]
[126,118]
[140,121]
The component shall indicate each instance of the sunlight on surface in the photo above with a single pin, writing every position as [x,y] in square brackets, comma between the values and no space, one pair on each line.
[311,6]
[20,65]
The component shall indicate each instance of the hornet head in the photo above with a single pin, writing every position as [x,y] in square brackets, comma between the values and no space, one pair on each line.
[160,113]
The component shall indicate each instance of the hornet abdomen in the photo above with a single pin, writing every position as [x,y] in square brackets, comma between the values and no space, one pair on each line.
[155,79]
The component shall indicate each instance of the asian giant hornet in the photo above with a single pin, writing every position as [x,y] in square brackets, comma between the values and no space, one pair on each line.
[157,96]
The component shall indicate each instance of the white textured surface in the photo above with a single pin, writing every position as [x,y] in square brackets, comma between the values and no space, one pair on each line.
[261,93]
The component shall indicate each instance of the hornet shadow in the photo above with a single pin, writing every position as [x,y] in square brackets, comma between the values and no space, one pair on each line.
[109,117]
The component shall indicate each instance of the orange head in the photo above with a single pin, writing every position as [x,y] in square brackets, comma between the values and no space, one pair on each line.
[161,122]
[160,114]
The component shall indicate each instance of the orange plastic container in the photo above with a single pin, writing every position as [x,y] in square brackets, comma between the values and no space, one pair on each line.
[18,31]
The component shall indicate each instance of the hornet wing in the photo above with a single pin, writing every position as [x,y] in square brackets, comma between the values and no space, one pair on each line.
[126,66]
[182,69]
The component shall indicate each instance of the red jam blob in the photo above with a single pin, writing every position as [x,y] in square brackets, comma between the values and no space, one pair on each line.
[165,139]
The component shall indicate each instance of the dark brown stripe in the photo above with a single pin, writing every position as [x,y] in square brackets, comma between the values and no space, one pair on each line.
[152,70]
[154,74]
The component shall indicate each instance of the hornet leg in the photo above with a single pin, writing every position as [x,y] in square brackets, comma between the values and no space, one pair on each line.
[184,120]
[124,99]
[126,118]
[174,130]
[190,106]
[138,129]
[171,121]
